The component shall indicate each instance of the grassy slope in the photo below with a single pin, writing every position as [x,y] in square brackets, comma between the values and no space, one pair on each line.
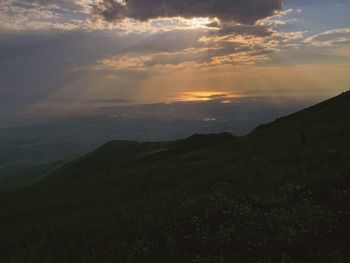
[280,194]
[24,175]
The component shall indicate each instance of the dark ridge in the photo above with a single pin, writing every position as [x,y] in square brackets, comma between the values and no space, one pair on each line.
[335,107]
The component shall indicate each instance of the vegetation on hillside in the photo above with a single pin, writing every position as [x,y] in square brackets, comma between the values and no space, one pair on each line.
[279,194]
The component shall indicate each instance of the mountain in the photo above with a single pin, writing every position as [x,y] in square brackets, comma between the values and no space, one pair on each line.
[279,194]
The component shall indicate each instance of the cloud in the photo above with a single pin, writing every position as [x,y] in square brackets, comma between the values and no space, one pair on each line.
[137,16]
[242,11]
[73,5]
[230,44]
[255,30]
[335,37]
[38,15]
[236,51]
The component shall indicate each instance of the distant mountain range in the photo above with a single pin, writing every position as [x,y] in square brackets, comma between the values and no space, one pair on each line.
[278,194]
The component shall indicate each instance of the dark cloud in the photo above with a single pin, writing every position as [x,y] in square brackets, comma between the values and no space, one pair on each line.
[35,65]
[243,11]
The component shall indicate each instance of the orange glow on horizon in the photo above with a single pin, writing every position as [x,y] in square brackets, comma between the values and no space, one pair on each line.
[205,96]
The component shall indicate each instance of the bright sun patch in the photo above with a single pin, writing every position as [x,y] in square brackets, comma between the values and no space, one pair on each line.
[205,96]
[200,22]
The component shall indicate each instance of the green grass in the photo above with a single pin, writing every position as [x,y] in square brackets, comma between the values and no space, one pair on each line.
[280,194]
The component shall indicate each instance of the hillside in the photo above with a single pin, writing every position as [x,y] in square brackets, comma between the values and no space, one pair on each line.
[279,194]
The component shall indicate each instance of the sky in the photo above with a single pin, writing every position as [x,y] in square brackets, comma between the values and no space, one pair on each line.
[70,56]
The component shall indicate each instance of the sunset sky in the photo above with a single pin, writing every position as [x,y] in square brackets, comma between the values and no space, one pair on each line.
[70,55]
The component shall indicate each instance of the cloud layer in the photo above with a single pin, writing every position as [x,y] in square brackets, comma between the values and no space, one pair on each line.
[75,5]
[335,37]
[242,11]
